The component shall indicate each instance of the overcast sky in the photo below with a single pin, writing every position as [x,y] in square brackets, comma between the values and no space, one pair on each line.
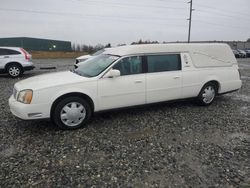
[119,21]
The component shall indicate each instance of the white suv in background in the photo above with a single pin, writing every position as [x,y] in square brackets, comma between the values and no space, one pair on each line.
[15,61]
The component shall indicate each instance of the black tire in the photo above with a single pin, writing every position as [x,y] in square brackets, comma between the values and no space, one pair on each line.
[211,89]
[63,123]
[14,70]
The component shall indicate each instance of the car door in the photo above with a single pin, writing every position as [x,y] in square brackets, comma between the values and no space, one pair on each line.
[128,89]
[164,78]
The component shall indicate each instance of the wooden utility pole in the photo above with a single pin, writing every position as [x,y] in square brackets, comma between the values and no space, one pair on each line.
[190,19]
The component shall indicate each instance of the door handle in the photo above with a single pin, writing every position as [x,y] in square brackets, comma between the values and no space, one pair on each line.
[138,81]
[6,56]
[176,77]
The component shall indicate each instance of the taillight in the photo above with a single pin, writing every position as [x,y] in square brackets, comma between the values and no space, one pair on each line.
[26,54]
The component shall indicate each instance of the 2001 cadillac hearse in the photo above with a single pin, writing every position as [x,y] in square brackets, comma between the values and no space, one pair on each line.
[127,76]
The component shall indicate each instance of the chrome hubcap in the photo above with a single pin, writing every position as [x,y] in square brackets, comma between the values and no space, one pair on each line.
[73,114]
[14,71]
[208,94]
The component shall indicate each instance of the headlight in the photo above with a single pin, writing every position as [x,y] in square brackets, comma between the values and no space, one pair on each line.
[25,96]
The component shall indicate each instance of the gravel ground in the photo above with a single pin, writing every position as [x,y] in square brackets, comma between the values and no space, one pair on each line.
[168,145]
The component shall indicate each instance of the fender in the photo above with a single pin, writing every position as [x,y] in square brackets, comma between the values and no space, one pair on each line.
[210,78]
[92,96]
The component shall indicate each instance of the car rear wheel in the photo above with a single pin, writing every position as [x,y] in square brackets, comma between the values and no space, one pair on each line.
[207,94]
[72,113]
[14,70]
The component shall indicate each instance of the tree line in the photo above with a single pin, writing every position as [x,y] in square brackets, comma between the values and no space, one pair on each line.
[91,49]
[88,48]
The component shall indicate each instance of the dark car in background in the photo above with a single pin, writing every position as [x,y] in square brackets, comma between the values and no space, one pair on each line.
[236,53]
[242,53]
[247,52]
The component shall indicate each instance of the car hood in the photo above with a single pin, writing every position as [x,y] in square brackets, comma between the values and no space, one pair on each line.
[50,80]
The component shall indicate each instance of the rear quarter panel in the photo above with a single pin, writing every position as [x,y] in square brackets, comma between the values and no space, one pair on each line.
[195,78]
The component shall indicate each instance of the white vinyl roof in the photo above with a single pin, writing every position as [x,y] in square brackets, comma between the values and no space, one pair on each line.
[202,54]
[161,48]
[11,48]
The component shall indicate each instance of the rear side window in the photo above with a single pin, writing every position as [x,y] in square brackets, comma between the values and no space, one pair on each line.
[161,63]
[9,52]
[129,65]
[12,52]
[2,52]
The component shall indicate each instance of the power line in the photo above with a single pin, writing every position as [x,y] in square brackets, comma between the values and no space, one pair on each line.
[229,11]
[134,5]
[221,25]
[220,14]
[217,17]
[171,1]
[145,19]
[127,18]
[214,10]
[136,18]
[118,18]
[78,14]
[38,12]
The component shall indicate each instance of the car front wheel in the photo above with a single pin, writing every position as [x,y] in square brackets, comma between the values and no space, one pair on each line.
[72,113]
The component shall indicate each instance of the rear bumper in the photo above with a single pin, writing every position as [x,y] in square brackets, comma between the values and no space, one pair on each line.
[27,68]
[231,86]
[28,65]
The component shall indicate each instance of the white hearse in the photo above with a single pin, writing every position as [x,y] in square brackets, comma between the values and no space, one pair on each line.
[128,76]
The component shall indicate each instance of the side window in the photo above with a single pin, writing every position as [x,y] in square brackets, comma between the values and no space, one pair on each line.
[161,63]
[8,52]
[3,52]
[129,65]
[12,52]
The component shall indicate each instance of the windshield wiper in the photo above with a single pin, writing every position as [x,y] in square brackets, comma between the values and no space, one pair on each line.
[74,71]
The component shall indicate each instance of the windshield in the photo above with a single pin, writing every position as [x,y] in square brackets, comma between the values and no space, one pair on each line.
[98,52]
[94,66]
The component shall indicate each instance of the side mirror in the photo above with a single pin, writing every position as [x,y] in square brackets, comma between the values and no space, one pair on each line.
[112,73]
